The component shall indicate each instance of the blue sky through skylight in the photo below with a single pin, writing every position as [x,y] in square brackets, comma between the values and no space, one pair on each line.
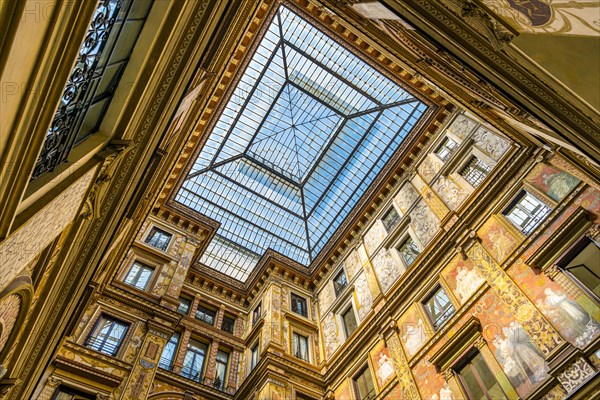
[307,130]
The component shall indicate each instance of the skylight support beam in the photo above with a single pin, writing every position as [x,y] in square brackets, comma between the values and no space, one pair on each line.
[250,94]
[332,72]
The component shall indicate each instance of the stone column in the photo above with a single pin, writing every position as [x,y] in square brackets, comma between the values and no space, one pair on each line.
[365,261]
[406,381]
[235,362]
[179,274]
[141,376]
[432,199]
[542,333]
[180,355]
[211,363]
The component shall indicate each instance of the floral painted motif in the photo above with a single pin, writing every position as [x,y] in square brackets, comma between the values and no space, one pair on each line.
[462,126]
[386,269]
[406,197]
[490,143]
[424,222]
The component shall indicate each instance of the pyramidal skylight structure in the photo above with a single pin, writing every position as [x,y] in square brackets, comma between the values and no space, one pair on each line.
[307,129]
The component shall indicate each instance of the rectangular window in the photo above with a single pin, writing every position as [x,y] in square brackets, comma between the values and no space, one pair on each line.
[139,275]
[107,335]
[254,356]
[257,314]
[475,171]
[478,381]
[300,346]
[184,306]
[439,307]
[363,385]
[349,320]
[168,354]
[193,363]
[206,315]
[390,219]
[409,251]
[446,149]
[340,282]
[221,367]
[228,324]
[583,266]
[159,238]
[299,305]
[526,212]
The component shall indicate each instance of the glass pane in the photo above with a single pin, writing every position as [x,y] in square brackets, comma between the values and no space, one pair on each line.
[470,382]
[391,219]
[349,321]
[409,251]
[486,376]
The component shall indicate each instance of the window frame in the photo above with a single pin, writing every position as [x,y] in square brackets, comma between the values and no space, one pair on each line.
[401,243]
[466,360]
[465,164]
[372,393]
[202,370]
[161,232]
[346,308]
[257,313]
[175,351]
[143,265]
[205,310]
[450,150]
[226,373]
[395,222]
[254,360]
[233,320]
[337,287]
[96,325]
[298,297]
[536,218]
[294,350]
[189,306]
[444,317]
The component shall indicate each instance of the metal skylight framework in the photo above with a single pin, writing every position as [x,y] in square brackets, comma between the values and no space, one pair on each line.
[307,130]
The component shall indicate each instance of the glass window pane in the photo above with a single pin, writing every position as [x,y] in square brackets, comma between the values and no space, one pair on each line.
[469,380]
[409,251]
[349,321]
[489,381]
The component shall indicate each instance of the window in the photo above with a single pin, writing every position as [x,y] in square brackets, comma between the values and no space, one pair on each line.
[300,346]
[583,266]
[363,385]
[390,219]
[107,335]
[168,354]
[193,363]
[340,282]
[349,320]
[446,149]
[159,238]
[299,305]
[65,393]
[439,307]
[478,381]
[222,361]
[526,212]
[254,356]
[206,315]
[228,324]
[475,171]
[139,275]
[257,314]
[184,305]
[408,251]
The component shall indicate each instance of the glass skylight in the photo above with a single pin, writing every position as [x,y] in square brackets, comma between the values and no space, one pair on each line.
[306,131]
